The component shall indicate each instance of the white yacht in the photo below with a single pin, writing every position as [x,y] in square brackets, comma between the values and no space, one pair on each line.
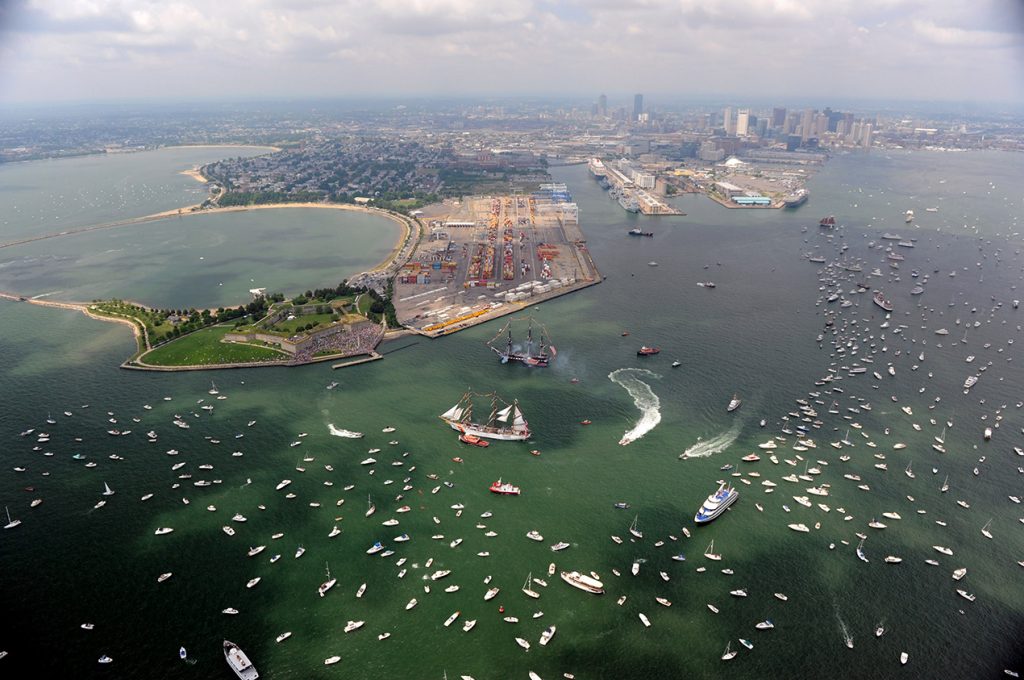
[239,662]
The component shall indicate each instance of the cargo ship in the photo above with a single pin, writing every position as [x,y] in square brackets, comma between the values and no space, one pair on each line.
[528,356]
[497,425]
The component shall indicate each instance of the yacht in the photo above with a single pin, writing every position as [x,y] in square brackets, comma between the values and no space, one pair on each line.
[583,582]
[239,662]
[734,403]
[546,636]
[716,504]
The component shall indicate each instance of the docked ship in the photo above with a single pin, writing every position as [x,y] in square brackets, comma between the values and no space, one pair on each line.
[637,232]
[716,504]
[597,168]
[239,662]
[880,300]
[828,222]
[795,199]
[504,488]
[629,203]
[497,425]
[528,356]
[583,582]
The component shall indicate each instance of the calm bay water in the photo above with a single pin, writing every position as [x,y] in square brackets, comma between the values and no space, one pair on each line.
[753,335]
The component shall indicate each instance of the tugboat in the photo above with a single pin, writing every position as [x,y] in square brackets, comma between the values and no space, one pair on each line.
[504,488]
[637,232]
[646,351]
[473,440]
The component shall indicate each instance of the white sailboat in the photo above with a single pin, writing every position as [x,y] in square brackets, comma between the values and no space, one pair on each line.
[633,530]
[370,507]
[530,592]
[11,523]
[107,491]
[710,552]
[984,530]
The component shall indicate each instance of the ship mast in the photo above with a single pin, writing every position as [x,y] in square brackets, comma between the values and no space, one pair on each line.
[529,339]
[494,409]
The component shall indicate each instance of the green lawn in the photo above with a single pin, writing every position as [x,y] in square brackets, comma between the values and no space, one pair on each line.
[290,327]
[204,347]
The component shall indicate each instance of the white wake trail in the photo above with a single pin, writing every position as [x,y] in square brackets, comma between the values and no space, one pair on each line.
[707,447]
[343,433]
[643,398]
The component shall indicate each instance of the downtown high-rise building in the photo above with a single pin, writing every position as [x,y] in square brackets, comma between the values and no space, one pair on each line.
[778,117]
[743,123]
[602,106]
[807,125]
[638,106]
[727,121]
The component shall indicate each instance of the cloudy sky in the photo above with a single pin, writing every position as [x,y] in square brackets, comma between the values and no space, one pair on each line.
[960,50]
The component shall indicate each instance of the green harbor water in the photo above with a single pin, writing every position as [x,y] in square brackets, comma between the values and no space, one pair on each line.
[754,335]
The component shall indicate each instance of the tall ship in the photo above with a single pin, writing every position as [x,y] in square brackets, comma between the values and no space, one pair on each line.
[239,662]
[531,356]
[880,300]
[828,222]
[795,199]
[716,504]
[505,421]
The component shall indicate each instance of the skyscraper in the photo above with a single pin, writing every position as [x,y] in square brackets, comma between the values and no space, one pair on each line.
[727,121]
[602,106]
[778,117]
[638,106]
[743,123]
[807,125]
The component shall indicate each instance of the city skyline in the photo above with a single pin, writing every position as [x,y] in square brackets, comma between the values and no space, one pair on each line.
[59,50]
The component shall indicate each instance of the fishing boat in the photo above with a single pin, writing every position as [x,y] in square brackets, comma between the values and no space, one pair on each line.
[527,356]
[716,504]
[504,488]
[734,404]
[460,418]
[239,662]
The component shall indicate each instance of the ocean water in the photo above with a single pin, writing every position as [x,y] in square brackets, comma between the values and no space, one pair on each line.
[753,335]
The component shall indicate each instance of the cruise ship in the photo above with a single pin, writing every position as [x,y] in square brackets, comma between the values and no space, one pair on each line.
[239,662]
[597,168]
[716,504]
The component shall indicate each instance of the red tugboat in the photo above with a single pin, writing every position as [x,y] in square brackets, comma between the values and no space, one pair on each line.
[646,351]
[467,438]
[504,488]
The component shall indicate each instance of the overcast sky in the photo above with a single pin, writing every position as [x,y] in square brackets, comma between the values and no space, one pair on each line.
[960,50]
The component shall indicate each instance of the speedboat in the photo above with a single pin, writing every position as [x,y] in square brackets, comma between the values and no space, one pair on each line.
[239,662]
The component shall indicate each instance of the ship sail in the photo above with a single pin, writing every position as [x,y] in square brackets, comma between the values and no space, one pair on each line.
[530,354]
[504,413]
[454,413]
[518,421]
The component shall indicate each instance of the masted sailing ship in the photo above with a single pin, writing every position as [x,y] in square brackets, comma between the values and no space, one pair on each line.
[505,421]
[508,352]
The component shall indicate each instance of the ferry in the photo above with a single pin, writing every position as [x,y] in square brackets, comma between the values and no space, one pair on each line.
[880,300]
[239,662]
[583,582]
[504,488]
[716,504]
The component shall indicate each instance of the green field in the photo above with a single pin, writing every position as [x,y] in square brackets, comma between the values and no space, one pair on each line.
[204,347]
[289,327]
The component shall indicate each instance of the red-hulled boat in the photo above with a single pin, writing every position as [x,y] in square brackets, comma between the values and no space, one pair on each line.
[827,222]
[504,488]
[646,351]
[467,438]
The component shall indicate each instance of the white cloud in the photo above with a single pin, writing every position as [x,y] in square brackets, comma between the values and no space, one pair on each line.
[325,47]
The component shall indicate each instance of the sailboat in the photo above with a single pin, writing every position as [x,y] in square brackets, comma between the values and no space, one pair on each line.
[460,418]
[910,473]
[633,530]
[370,507]
[729,652]
[107,491]
[328,584]
[710,552]
[945,484]
[11,523]
[984,530]
[213,388]
[530,592]
[538,359]
[860,551]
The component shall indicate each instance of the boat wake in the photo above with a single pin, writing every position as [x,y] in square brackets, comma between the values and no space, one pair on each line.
[343,433]
[643,398]
[708,447]
[847,638]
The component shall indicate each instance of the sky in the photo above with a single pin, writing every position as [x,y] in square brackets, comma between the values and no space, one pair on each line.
[94,50]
